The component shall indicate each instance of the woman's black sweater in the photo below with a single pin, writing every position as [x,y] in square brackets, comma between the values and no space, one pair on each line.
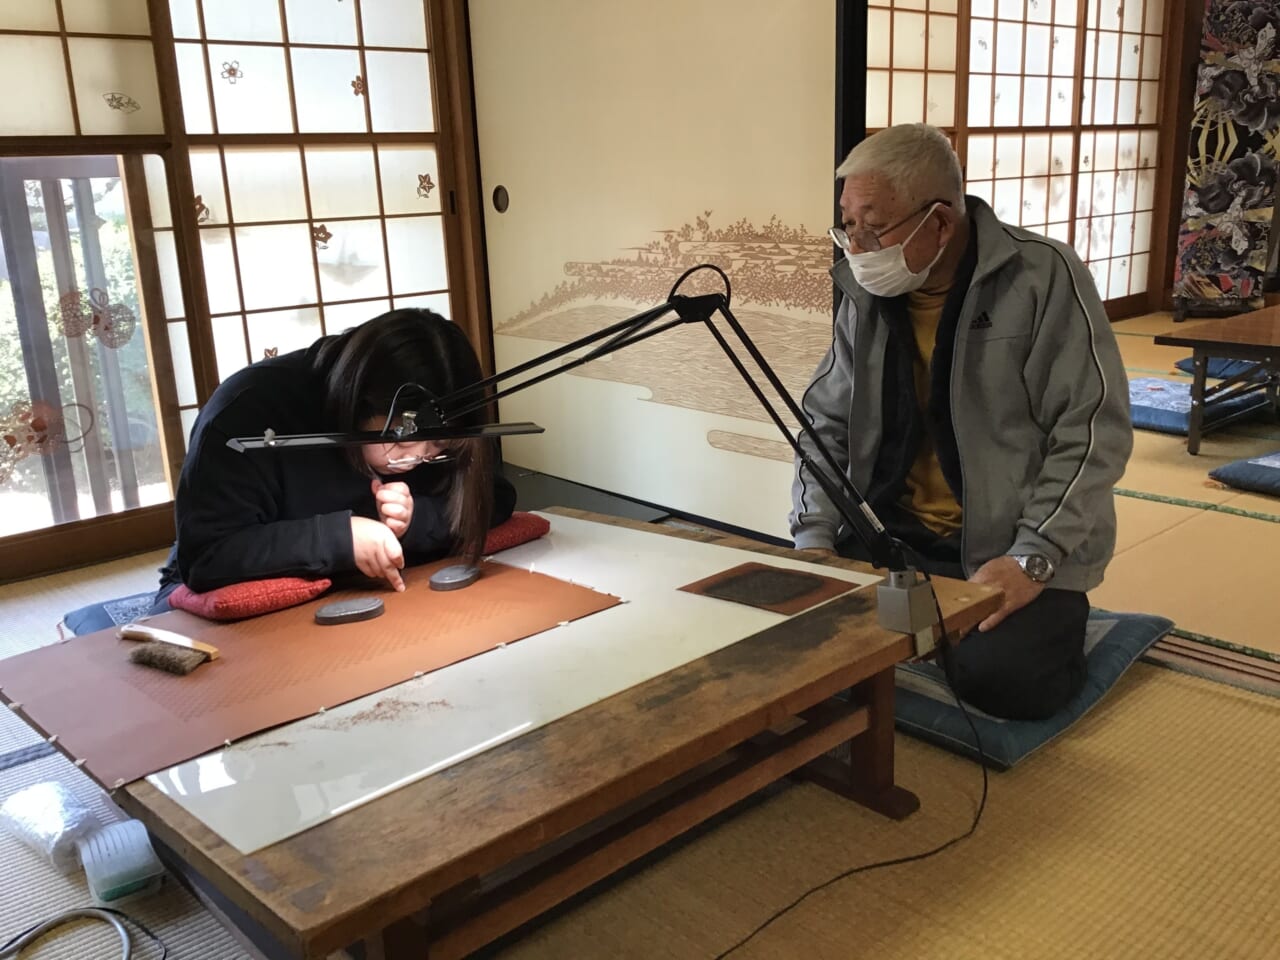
[259,514]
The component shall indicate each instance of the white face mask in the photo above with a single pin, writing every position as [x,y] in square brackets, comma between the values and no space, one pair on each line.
[884,272]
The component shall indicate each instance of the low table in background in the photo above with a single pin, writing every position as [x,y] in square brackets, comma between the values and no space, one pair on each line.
[1252,337]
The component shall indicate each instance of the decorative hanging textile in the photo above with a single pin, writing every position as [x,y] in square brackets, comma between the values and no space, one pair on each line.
[1231,171]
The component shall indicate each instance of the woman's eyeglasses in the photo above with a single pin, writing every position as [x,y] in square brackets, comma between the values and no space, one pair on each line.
[413,461]
[867,240]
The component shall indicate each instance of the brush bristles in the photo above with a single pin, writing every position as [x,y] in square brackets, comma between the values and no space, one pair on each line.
[167,657]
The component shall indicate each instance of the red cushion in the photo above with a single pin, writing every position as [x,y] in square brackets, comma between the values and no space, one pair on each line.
[250,599]
[519,528]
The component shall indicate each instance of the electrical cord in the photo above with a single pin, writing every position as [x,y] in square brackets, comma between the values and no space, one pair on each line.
[113,917]
[948,669]
[395,399]
[728,287]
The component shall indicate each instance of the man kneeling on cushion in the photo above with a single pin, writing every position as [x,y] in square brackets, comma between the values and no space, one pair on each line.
[975,393]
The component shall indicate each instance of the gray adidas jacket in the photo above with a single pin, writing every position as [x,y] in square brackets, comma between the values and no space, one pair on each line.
[1039,403]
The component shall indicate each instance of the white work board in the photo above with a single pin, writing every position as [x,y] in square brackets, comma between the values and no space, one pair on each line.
[275,784]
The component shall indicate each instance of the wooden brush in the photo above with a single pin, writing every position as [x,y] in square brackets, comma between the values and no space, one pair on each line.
[166,650]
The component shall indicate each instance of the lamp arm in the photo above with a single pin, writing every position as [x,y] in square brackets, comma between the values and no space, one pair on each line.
[447,411]
[844,495]
[848,501]
[474,396]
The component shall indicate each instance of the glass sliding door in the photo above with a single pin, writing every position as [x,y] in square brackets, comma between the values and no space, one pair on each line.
[80,429]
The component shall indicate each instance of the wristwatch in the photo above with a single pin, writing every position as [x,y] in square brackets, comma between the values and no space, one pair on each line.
[1036,566]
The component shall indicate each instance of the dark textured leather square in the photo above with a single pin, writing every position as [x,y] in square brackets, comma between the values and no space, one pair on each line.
[779,589]
[765,588]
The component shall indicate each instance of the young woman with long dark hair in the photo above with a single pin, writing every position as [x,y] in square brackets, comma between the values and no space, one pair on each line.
[329,511]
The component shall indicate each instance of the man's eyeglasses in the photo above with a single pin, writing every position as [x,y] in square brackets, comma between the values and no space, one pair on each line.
[869,240]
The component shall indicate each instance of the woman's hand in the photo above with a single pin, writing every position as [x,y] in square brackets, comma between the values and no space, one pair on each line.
[378,552]
[395,505]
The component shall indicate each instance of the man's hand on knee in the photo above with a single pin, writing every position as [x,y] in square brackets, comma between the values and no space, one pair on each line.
[1019,589]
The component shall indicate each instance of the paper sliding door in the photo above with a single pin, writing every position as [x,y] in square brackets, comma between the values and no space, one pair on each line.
[633,140]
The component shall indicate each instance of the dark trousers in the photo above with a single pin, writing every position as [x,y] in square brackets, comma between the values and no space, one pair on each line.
[161,602]
[1026,668]
[1030,665]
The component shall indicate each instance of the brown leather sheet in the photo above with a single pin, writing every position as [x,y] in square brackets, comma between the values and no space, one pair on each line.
[779,589]
[127,721]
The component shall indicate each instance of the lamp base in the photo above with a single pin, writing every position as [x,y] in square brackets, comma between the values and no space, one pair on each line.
[907,605]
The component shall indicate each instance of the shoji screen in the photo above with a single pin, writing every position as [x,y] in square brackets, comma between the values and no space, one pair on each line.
[1053,105]
[313,132]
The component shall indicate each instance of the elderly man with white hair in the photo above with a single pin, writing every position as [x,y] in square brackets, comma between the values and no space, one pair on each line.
[975,394]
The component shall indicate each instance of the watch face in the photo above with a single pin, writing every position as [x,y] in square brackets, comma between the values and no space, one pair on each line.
[1038,568]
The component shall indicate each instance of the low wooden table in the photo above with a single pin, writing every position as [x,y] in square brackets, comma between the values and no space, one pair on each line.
[1253,337]
[448,863]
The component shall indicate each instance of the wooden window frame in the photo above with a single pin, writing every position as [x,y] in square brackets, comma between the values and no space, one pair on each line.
[37,552]
[1176,87]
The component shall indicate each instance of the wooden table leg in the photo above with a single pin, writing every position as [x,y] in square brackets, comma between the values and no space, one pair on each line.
[403,940]
[1197,402]
[868,778]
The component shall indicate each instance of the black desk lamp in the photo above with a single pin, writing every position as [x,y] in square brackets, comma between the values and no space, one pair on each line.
[906,601]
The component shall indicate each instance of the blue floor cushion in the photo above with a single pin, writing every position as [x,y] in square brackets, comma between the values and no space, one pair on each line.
[1219,368]
[1165,406]
[1259,475]
[926,708]
[110,613]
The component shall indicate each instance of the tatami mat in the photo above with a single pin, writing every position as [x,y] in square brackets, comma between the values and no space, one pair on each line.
[1148,325]
[14,733]
[1262,428]
[1145,831]
[32,891]
[1216,663]
[1214,574]
[1139,520]
[1161,465]
[1260,504]
[30,609]
[1142,356]
[1220,604]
